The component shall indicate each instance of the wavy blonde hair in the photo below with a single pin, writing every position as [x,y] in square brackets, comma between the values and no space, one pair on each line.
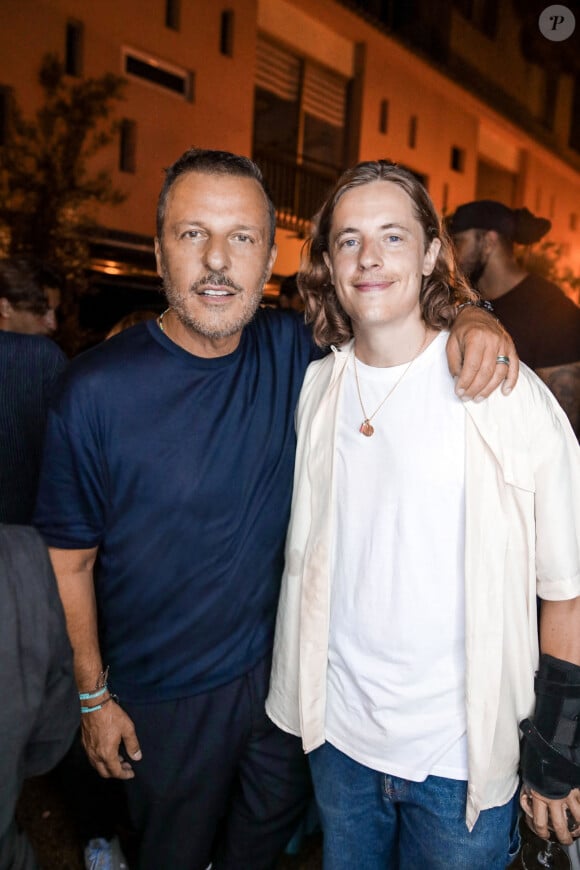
[441,291]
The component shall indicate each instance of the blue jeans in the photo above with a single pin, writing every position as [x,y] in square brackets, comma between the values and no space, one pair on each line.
[373,821]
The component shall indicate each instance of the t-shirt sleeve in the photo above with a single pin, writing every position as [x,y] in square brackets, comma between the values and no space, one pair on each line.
[72,489]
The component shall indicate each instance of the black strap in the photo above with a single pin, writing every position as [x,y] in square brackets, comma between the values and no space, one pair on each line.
[556,689]
[560,767]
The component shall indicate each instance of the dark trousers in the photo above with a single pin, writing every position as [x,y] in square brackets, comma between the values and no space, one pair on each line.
[217,782]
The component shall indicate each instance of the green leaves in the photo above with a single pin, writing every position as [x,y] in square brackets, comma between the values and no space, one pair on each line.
[48,188]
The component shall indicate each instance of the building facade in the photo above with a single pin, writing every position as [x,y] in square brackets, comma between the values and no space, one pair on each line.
[451,89]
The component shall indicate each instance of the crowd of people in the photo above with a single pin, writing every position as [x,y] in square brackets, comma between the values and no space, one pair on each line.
[297,548]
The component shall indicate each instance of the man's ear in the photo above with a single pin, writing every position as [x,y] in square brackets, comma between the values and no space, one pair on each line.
[158,257]
[271,260]
[328,262]
[490,241]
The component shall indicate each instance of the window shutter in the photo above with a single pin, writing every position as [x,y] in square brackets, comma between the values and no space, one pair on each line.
[277,71]
[324,95]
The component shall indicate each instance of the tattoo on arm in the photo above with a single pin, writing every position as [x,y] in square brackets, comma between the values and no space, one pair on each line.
[564,382]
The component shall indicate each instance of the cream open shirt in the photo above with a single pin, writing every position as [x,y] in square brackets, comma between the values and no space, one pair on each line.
[522,483]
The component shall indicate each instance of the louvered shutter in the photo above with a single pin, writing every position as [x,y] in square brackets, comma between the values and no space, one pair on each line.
[277,71]
[324,95]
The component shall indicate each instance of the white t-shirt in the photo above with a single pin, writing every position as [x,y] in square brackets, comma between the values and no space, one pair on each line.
[396,699]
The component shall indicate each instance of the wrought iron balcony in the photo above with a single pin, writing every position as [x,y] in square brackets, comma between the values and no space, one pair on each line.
[298,190]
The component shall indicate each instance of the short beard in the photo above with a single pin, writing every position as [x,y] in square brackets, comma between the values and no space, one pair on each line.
[212,325]
[475,273]
[476,268]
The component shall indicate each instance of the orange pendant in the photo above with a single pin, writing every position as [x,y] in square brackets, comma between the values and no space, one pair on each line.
[366,428]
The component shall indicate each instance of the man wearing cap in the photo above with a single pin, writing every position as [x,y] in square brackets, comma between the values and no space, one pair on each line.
[544,323]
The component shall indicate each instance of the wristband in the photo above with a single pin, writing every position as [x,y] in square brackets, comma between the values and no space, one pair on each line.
[86,696]
[97,706]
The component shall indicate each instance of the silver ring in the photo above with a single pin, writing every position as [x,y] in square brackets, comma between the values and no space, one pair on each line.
[503,360]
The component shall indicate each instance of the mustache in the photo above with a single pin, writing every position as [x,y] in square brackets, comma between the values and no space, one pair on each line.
[215,279]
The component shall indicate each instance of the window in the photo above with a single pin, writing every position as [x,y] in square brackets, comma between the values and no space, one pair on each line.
[74,43]
[413,123]
[227,33]
[159,73]
[300,108]
[128,146]
[300,119]
[457,162]
[481,13]
[5,113]
[384,117]
[172,14]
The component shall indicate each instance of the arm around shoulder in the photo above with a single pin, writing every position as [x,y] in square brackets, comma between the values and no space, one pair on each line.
[476,342]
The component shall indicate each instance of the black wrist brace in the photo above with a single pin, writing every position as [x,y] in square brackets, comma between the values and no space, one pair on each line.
[550,757]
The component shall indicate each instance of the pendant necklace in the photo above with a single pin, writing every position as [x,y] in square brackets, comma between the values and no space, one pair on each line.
[365,427]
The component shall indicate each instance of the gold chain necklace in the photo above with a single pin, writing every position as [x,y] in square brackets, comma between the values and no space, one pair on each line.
[365,427]
[160,319]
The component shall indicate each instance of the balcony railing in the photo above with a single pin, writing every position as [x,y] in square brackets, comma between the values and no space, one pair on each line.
[298,191]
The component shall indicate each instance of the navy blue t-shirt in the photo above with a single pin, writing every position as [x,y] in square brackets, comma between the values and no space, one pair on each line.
[180,470]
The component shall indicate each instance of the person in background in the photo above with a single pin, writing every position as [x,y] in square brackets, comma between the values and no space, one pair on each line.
[421,528]
[544,323]
[29,297]
[289,296]
[39,714]
[164,499]
[30,365]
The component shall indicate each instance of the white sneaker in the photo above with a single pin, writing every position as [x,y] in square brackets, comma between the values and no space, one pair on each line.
[102,854]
